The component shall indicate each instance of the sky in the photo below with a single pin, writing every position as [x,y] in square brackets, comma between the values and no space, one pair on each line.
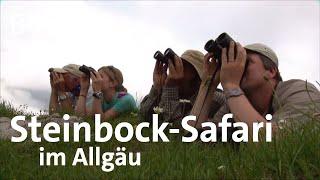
[37,35]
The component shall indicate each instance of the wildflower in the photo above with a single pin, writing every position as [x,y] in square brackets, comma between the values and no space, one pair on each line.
[281,123]
[158,110]
[221,167]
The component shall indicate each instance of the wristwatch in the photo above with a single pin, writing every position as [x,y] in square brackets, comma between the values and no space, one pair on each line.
[98,95]
[235,92]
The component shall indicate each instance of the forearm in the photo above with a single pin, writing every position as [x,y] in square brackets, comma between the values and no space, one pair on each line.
[148,103]
[81,108]
[243,111]
[53,104]
[96,107]
[169,102]
[110,114]
[66,104]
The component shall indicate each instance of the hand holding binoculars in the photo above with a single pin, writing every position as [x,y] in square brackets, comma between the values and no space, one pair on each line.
[215,46]
[50,70]
[86,69]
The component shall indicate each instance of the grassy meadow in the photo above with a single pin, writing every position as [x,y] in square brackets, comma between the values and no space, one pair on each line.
[293,154]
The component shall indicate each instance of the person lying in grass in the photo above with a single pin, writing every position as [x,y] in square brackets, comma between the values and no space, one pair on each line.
[65,88]
[172,95]
[110,98]
[255,89]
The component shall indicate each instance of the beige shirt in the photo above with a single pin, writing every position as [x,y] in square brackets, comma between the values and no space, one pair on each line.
[292,100]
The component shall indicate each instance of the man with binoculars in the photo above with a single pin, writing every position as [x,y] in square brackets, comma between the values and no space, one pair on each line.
[65,88]
[172,95]
[253,88]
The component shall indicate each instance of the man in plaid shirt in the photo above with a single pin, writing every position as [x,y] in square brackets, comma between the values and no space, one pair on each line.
[172,96]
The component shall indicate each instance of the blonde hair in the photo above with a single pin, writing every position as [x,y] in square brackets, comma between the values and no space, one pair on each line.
[115,75]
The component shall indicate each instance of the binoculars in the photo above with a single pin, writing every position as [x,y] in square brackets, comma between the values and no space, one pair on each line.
[215,46]
[86,69]
[50,70]
[164,58]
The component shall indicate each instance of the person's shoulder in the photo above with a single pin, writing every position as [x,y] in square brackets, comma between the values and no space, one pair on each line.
[295,87]
[126,101]
[124,96]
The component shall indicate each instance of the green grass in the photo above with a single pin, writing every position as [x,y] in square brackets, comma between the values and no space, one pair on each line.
[8,110]
[294,153]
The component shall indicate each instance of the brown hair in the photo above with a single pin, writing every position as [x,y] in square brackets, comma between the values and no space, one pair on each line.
[115,75]
[268,65]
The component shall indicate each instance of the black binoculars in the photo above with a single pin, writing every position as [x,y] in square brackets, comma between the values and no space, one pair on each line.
[86,69]
[168,54]
[50,70]
[215,46]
